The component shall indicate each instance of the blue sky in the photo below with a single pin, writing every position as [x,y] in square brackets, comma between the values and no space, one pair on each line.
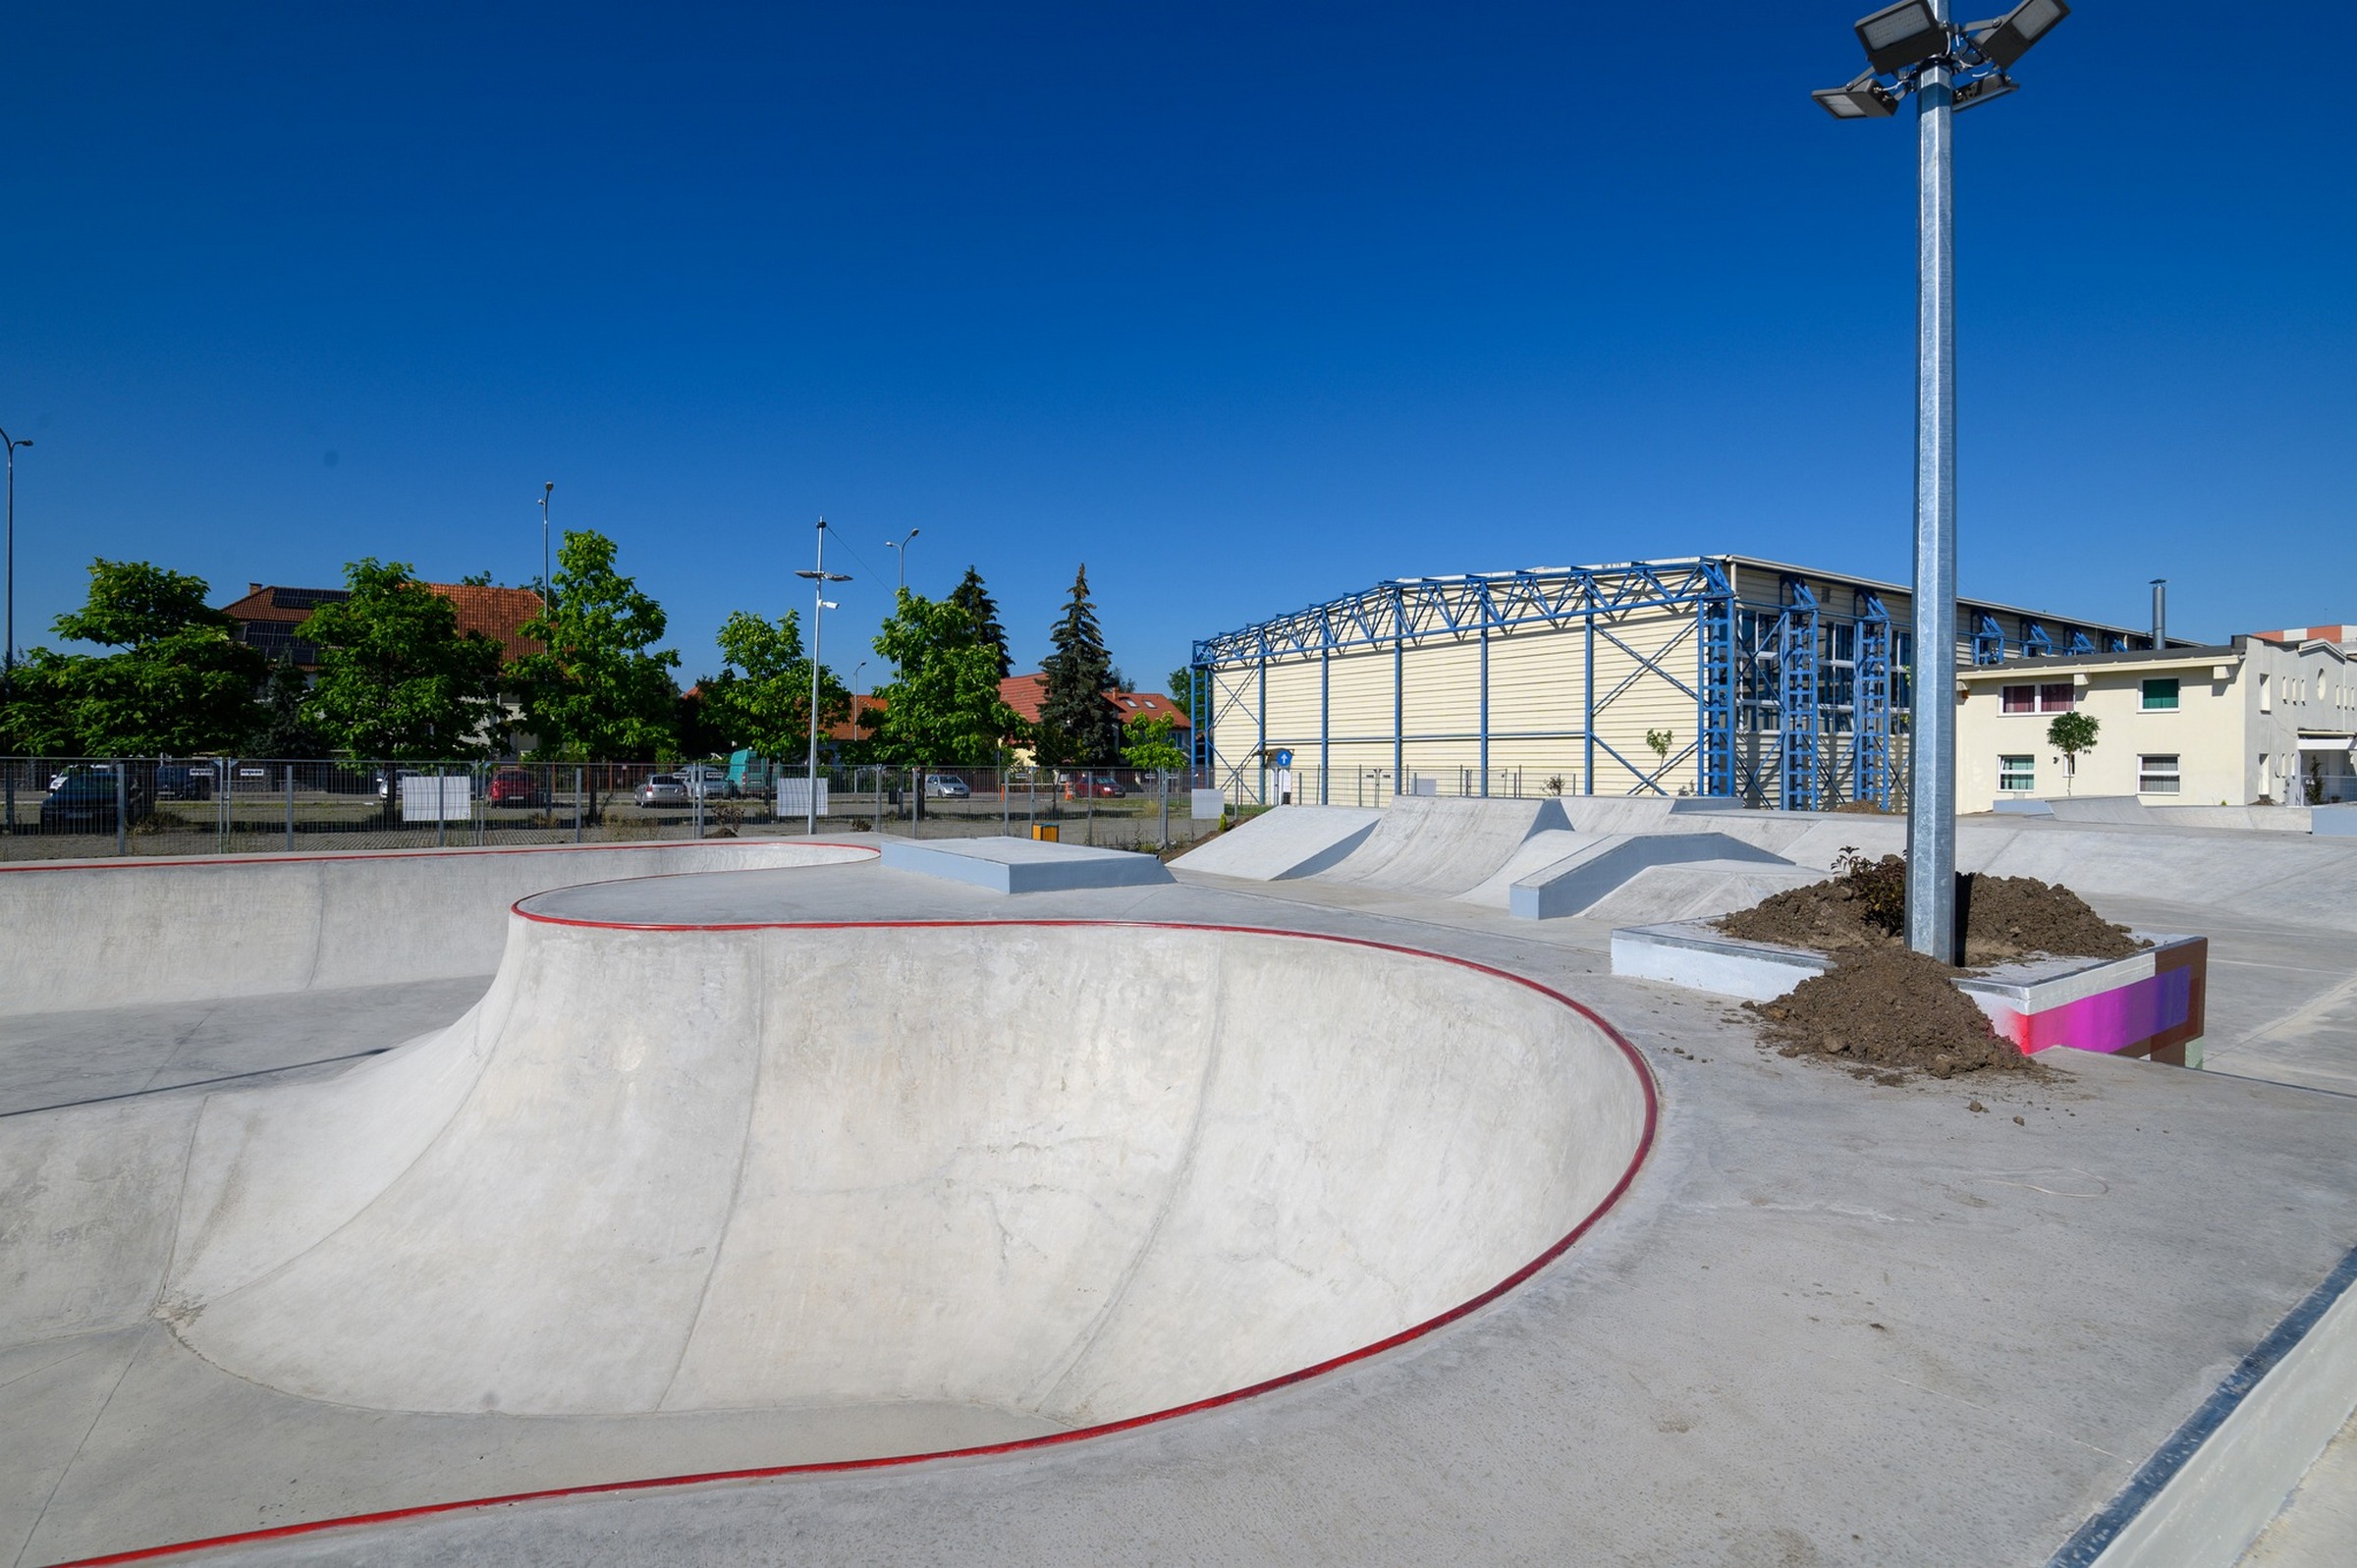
[1245,306]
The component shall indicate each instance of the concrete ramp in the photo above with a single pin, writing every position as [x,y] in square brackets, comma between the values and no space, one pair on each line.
[1700,890]
[1289,842]
[829,1167]
[1603,864]
[2101,808]
[1536,854]
[1442,845]
[1642,813]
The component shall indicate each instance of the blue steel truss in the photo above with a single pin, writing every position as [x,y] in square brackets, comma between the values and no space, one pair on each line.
[1776,686]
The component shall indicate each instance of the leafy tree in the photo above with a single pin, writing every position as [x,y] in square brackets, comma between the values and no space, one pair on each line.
[971,597]
[761,697]
[601,691]
[34,721]
[942,705]
[1181,682]
[477,579]
[178,681]
[1076,721]
[1147,743]
[396,678]
[284,728]
[2071,734]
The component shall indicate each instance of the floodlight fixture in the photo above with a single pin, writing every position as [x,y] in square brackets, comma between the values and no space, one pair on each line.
[1972,94]
[1862,100]
[2007,38]
[1897,37]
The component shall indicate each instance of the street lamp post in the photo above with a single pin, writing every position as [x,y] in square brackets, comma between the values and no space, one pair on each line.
[548,589]
[1913,48]
[901,545]
[8,659]
[819,578]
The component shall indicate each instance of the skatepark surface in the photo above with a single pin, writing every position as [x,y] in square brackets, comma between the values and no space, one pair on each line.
[1828,1321]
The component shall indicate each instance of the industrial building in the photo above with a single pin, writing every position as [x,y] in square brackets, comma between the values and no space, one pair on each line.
[1725,675]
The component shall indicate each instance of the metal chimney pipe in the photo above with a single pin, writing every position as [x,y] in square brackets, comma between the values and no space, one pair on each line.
[2160,612]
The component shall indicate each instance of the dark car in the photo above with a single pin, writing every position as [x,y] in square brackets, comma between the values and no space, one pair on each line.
[518,786]
[184,780]
[87,798]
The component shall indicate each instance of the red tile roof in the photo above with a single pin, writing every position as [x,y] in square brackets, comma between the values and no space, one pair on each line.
[497,613]
[1024,693]
[862,704]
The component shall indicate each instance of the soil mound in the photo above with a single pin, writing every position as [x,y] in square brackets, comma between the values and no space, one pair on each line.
[1890,1012]
[1865,908]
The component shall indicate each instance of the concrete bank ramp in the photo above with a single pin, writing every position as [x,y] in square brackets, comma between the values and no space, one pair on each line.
[1603,864]
[1442,845]
[1289,842]
[692,1169]
[128,933]
[2125,809]
[1699,890]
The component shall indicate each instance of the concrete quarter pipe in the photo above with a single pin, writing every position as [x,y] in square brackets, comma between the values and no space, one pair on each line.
[1088,1174]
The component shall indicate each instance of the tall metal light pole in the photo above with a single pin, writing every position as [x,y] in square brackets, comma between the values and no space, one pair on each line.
[819,579]
[548,585]
[8,660]
[1913,47]
[901,545]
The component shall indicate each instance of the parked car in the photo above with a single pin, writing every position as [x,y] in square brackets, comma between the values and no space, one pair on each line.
[184,780]
[518,786]
[387,785]
[1104,786]
[707,783]
[86,797]
[947,786]
[664,790]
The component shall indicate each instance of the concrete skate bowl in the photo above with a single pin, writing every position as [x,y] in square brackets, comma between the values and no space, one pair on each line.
[1084,1174]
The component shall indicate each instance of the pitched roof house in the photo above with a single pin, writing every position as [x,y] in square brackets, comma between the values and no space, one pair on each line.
[270,617]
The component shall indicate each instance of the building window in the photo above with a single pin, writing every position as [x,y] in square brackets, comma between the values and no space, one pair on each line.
[2266,701]
[2055,698]
[2161,696]
[2020,699]
[2156,775]
[2016,773]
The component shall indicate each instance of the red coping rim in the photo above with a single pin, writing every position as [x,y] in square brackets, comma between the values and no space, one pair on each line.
[1020,1445]
[452,851]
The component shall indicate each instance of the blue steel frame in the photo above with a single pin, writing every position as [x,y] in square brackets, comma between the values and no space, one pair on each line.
[1760,668]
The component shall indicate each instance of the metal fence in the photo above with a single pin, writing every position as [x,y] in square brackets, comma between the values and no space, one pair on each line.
[54,808]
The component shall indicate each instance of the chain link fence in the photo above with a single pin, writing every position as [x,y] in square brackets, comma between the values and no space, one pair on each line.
[56,808]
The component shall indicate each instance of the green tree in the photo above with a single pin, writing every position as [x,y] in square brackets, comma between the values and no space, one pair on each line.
[284,728]
[1147,743]
[1076,721]
[971,597]
[2071,734]
[942,705]
[396,678]
[600,691]
[1181,689]
[761,697]
[34,721]
[177,683]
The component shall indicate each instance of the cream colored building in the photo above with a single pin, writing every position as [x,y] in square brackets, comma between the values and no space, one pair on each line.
[1725,676]
[2256,720]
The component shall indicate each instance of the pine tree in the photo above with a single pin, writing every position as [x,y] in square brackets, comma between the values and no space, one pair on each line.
[1076,721]
[971,597]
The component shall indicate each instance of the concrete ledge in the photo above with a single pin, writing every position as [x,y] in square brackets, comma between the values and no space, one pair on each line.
[2202,1499]
[2152,1003]
[1023,865]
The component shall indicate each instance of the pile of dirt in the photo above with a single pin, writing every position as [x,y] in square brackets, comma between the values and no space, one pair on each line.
[1865,908]
[1891,1014]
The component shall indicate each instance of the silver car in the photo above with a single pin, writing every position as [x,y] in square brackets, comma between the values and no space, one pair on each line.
[663,790]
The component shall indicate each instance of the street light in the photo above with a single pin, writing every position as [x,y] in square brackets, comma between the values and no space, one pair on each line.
[8,660]
[901,545]
[1913,48]
[548,588]
[819,579]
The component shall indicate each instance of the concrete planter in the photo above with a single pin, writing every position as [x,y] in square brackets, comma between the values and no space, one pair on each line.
[2148,1005]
